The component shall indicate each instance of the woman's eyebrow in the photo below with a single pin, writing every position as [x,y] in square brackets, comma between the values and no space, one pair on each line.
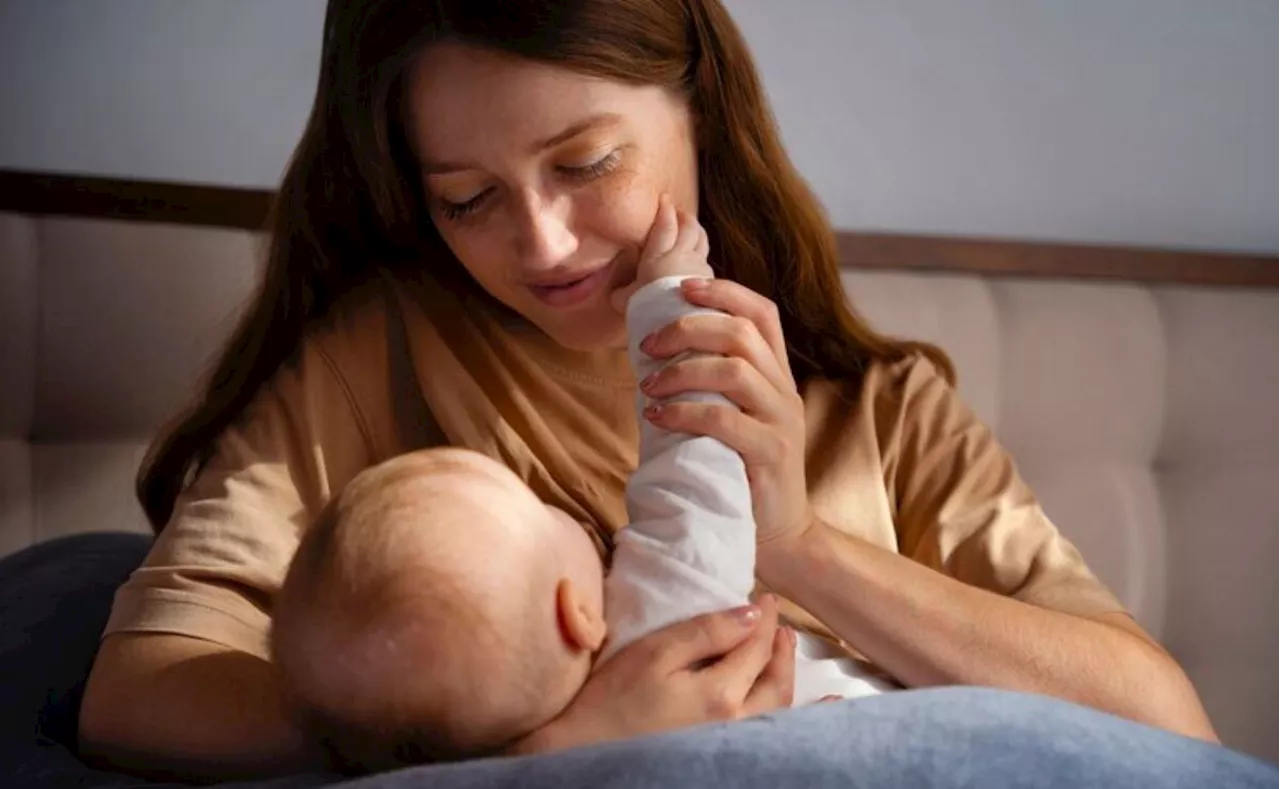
[586,124]
[596,121]
[444,168]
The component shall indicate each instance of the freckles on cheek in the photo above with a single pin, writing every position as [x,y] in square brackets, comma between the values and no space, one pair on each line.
[625,207]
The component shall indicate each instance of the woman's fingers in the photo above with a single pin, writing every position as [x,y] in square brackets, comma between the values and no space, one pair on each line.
[730,376]
[736,674]
[695,641]
[759,444]
[736,299]
[725,335]
[775,687]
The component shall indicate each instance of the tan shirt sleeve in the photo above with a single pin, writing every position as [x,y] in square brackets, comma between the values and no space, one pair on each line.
[963,509]
[214,569]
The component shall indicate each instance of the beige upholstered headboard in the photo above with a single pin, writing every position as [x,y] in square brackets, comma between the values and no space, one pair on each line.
[48,194]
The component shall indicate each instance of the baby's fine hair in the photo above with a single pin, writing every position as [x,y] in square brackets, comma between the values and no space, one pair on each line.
[355,633]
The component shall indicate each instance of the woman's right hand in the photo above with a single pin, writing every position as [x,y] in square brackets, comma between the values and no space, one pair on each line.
[716,667]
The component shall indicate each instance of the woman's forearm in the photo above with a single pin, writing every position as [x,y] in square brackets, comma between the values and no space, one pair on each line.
[172,707]
[928,629]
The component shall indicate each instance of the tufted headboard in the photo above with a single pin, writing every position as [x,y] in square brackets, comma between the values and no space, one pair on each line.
[1136,389]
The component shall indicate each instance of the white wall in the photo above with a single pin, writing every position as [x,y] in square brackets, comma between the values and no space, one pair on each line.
[1144,121]
[1129,121]
[213,91]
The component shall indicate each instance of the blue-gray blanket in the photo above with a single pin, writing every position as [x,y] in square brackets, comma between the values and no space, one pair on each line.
[55,597]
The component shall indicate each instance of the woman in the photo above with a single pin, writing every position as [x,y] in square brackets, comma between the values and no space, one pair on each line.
[473,183]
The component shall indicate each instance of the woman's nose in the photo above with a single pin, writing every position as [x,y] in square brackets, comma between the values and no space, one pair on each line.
[545,238]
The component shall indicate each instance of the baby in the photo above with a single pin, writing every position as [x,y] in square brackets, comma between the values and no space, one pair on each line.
[436,611]
[439,610]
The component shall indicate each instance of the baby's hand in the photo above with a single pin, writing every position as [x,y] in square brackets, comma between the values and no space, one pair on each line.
[676,246]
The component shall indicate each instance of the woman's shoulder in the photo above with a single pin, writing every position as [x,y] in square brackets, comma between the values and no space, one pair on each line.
[906,375]
[886,383]
[353,333]
[351,348]
[896,406]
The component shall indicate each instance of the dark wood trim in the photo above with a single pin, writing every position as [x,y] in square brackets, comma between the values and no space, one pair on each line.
[222,206]
[143,201]
[1011,258]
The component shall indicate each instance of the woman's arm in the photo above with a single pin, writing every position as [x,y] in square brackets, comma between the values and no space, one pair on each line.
[928,629]
[182,684]
[922,626]
[179,708]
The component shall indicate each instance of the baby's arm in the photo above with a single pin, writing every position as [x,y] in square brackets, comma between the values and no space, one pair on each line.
[690,547]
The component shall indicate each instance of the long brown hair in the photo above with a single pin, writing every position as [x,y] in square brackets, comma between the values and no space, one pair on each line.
[349,205]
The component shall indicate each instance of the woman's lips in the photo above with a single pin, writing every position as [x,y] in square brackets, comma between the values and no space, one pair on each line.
[572,293]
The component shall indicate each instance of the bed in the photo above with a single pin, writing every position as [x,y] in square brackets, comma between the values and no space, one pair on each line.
[114,294]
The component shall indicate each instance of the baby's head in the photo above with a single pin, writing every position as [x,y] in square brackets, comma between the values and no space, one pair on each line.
[437,610]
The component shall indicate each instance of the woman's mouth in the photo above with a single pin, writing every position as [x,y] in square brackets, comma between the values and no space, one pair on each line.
[572,292]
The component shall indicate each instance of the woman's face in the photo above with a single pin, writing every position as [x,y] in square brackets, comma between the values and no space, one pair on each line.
[544,182]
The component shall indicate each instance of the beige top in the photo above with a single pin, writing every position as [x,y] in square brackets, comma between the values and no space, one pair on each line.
[902,463]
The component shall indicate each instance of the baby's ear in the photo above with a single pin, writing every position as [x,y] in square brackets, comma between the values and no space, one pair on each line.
[581,620]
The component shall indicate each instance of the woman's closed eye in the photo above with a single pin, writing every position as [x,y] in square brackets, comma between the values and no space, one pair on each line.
[453,211]
[578,173]
[588,172]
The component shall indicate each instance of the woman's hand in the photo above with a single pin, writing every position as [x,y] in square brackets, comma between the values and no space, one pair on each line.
[716,667]
[748,365]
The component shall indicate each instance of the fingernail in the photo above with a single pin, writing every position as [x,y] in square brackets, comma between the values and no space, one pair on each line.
[747,614]
[648,381]
[697,283]
[647,344]
[791,636]
[653,411]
